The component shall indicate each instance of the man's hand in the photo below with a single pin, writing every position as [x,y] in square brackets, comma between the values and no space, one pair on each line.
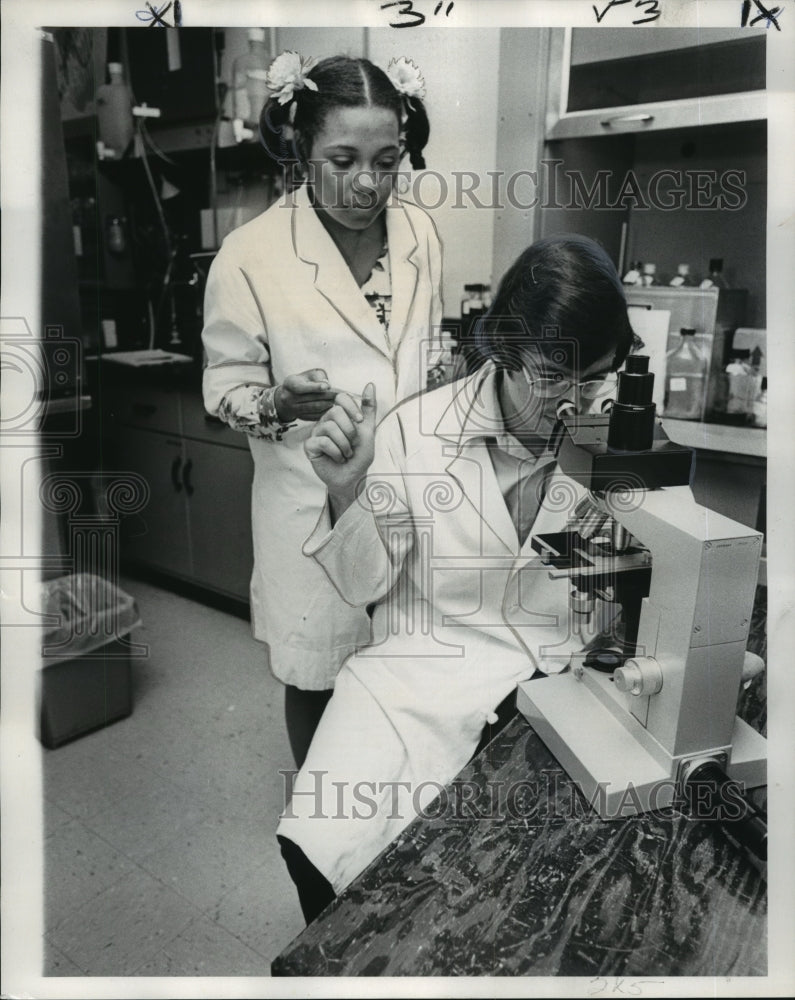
[340,446]
[303,397]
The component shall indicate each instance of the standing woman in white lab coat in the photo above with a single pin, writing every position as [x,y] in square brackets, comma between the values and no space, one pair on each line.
[335,285]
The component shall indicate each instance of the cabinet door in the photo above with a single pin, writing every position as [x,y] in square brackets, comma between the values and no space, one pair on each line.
[218,482]
[611,80]
[156,536]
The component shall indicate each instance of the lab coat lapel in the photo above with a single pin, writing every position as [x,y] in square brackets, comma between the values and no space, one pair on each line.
[331,275]
[556,507]
[404,271]
[465,421]
[475,475]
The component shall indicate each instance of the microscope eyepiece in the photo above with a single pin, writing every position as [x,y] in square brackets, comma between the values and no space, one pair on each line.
[637,364]
[631,425]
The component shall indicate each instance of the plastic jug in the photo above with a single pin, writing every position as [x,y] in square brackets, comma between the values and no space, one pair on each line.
[250,71]
[114,111]
[686,378]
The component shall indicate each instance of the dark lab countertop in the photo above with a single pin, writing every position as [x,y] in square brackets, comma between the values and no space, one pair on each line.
[544,886]
[554,891]
[104,371]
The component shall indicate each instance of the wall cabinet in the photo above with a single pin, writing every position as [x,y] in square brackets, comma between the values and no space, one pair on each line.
[197,523]
[656,145]
[610,80]
[638,124]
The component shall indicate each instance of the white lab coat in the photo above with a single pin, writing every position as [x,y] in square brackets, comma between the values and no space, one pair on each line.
[280,300]
[463,618]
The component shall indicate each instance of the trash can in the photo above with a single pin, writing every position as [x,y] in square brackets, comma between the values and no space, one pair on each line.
[86,665]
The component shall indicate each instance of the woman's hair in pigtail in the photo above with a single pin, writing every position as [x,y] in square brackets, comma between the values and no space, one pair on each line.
[276,133]
[287,131]
[416,131]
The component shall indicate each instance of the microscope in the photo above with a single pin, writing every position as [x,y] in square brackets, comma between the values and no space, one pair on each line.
[648,707]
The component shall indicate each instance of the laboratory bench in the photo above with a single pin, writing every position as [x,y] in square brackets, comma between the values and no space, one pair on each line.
[542,888]
[731,467]
[511,873]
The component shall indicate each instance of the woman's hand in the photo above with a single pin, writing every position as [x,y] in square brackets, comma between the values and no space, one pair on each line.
[340,446]
[303,397]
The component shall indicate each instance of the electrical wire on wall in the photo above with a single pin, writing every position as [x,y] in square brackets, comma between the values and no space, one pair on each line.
[171,250]
[221,90]
[153,146]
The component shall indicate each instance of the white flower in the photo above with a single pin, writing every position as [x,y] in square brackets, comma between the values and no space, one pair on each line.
[287,73]
[406,77]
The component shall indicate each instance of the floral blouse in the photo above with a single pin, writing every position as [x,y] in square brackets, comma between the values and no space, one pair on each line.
[378,289]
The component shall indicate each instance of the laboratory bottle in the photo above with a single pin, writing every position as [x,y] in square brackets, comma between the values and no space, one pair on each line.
[760,405]
[715,278]
[633,275]
[685,378]
[741,387]
[114,112]
[649,274]
[682,277]
[476,300]
[249,73]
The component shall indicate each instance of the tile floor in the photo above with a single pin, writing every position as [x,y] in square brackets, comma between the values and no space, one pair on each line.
[160,857]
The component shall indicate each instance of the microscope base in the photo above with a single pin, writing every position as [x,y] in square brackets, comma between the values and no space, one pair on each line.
[607,758]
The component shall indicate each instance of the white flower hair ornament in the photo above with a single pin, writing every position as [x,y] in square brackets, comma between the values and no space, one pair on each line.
[288,73]
[406,79]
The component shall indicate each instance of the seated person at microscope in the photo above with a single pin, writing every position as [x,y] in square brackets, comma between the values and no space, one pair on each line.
[430,517]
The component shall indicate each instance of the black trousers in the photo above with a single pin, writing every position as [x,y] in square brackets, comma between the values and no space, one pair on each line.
[314,890]
[302,712]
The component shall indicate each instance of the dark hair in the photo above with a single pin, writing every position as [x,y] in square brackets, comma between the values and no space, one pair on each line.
[341,82]
[562,290]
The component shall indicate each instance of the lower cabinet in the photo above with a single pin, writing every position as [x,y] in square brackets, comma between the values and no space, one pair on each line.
[219,515]
[158,535]
[196,524]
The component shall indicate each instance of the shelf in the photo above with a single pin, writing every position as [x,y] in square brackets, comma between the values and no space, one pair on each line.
[727,438]
[57,406]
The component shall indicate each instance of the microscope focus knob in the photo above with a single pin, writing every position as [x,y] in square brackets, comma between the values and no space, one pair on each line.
[639,676]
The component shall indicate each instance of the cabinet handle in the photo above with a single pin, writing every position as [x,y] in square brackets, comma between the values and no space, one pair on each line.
[175,480]
[627,121]
[186,477]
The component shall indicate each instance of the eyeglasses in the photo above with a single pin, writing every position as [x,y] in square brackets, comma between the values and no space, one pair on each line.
[557,386]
